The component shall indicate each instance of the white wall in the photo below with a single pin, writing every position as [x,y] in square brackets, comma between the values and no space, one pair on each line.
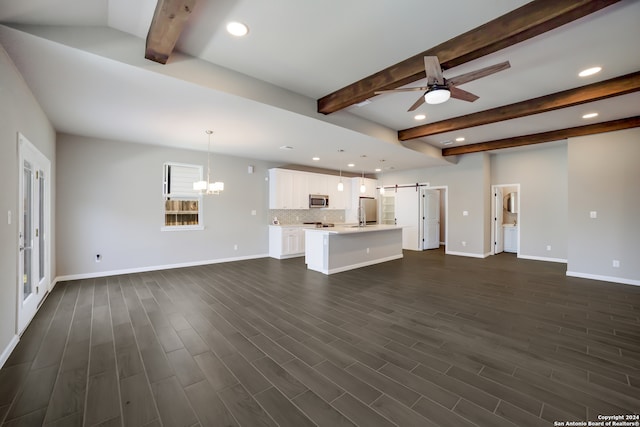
[110,203]
[604,176]
[19,112]
[541,171]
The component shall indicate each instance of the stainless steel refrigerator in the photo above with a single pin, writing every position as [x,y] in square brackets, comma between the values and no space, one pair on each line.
[368,210]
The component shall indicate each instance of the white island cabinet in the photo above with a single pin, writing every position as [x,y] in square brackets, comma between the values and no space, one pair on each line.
[286,242]
[336,249]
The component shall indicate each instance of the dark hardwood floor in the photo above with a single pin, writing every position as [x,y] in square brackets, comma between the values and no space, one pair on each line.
[426,340]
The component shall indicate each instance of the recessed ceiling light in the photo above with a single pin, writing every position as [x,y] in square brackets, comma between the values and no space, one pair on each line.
[237,29]
[590,71]
[460,139]
[590,115]
[351,165]
[286,147]
[420,117]
[315,159]
[378,170]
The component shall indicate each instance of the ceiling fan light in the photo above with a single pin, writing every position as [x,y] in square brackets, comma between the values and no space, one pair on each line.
[437,94]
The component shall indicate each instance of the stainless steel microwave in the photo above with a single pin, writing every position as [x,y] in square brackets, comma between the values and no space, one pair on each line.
[318,201]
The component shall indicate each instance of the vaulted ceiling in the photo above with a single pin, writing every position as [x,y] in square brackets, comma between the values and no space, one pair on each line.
[306,74]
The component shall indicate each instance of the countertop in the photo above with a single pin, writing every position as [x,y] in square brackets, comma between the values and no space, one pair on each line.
[352,229]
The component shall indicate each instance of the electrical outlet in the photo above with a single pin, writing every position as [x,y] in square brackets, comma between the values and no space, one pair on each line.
[593,214]
[465,213]
[548,247]
[616,263]
[464,243]
[367,250]
[98,257]
[253,212]
[235,247]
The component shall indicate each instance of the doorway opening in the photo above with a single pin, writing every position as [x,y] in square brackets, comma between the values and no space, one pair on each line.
[421,210]
[505,218]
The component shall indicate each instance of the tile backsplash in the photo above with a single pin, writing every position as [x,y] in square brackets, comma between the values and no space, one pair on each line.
[298,216]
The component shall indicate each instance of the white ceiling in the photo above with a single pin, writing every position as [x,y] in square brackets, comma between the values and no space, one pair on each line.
[84,61]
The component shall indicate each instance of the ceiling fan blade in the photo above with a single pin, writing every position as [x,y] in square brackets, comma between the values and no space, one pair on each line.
[433,70]
[463,95]
[474,75]
[408,89]
[416,104]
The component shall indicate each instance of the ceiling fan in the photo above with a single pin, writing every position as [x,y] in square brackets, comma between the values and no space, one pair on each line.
[439,89]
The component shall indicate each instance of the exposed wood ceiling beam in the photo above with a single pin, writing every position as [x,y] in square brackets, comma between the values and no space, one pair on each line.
[537,138]
[168,20]
[568,98]
[530,20]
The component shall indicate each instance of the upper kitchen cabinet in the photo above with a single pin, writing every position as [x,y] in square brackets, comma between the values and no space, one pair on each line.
[318,184]
[288,189]
[370,187]
[338,199]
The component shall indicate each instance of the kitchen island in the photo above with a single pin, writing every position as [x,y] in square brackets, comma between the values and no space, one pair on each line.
[342,248]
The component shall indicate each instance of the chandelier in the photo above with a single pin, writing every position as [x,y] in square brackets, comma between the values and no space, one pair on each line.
[208,187]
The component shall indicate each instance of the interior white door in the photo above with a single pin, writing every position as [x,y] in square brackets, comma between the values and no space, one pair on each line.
[34,225]
[407,211]
[431,219]
[498,231]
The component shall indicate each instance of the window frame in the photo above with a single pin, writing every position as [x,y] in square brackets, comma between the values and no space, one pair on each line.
[184,194]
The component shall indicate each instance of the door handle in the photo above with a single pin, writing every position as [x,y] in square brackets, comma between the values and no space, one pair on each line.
[21,248]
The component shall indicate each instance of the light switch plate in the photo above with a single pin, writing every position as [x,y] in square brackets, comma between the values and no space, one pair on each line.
[593,214]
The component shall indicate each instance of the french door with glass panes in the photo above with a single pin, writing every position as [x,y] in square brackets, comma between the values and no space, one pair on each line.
[33,230]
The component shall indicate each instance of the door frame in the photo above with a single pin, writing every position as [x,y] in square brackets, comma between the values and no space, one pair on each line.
[493,214]
[443,189]
[27,150]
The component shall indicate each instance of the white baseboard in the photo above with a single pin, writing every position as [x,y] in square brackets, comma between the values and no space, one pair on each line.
[540,258]
[604,278]
[154,268]
[468,254]
[7,351]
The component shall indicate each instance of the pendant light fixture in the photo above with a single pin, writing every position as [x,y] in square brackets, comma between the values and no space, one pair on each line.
[208,187]
[340,184]
[363,188]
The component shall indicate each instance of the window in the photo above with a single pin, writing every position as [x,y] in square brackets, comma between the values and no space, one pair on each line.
[182,204]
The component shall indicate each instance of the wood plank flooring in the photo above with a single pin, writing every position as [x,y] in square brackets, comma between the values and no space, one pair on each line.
[429,340]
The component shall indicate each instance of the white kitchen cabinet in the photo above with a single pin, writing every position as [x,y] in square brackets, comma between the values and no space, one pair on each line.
[286,242]
[511,239]
[370,188]
[288,189]
[318,184]
[338,199]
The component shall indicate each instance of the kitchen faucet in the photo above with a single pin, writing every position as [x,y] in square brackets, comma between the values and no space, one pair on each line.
[362,217]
